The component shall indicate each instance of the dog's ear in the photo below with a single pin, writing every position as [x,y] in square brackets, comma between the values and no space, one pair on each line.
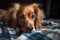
[39,18]
[39,15]
[13,13]
[14,9]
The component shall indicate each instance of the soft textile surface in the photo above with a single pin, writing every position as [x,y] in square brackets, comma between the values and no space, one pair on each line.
[51,33]
[43,34]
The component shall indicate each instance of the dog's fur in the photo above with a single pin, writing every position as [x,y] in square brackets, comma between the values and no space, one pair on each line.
[24,16]
[4,16]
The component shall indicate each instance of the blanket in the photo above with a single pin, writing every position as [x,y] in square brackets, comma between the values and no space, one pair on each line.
[51,33]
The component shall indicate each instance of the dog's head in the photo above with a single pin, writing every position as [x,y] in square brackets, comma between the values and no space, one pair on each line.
[29,17]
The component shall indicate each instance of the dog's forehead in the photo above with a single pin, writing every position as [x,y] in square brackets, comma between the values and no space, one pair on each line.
[26,10]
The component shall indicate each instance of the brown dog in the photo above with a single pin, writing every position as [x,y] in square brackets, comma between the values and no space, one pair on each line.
[27,17]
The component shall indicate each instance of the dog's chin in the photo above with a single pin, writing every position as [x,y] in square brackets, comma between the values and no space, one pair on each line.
[30,30]
[27,31]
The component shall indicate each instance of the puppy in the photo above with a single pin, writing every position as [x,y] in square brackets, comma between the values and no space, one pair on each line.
[27,18]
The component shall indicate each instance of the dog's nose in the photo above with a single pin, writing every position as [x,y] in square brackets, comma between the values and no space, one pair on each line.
[30,28]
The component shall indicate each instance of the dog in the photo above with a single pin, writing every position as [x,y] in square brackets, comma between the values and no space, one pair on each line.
[27,18]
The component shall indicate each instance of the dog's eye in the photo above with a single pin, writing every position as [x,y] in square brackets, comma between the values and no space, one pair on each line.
[33,17]
[22,17]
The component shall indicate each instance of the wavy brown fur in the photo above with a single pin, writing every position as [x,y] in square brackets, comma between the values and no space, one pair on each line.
[13,16]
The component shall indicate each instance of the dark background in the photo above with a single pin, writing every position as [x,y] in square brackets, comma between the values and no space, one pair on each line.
[50,7]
